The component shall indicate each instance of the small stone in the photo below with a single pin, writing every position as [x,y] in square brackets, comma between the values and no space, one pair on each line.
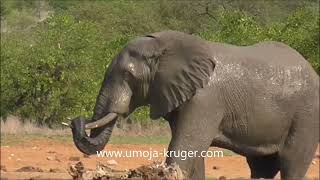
[222,178]
[74,158]
[314,162]
[11,155]
[18,159]
[215,167]
[50,158]
[36,148]
[55,170]
[112,162]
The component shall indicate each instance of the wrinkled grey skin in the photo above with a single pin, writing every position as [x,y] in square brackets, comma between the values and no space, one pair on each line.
[261,101]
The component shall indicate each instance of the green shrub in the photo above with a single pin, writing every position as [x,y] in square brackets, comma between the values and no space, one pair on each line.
[57,75]
[300,30]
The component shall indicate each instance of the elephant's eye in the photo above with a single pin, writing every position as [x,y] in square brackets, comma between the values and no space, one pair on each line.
[127,75]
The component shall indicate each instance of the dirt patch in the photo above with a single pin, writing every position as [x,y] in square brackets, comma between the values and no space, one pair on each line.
[29,169]
[74,158]
[55,170]
[3,168]
[14,157]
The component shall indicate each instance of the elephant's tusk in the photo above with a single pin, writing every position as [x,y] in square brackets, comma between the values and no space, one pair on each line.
[66,124]
[101,122]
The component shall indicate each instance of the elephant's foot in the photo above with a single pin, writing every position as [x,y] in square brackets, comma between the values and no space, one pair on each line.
[192,168]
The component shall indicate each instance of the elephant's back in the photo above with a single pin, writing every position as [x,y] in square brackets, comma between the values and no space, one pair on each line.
[284,61]
[273,53]
[267,61]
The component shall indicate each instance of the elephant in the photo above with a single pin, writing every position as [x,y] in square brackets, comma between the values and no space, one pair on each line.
[260,101]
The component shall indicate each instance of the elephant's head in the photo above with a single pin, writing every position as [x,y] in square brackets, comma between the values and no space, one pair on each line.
[162,70]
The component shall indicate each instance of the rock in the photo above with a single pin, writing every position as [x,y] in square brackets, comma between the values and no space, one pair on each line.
[317,155]
[314,162]
[215,167]
[112,162]
[11,155]
[74,158]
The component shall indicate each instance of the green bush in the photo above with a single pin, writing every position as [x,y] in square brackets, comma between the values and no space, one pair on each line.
[238,28]
[56,76]
[59,74]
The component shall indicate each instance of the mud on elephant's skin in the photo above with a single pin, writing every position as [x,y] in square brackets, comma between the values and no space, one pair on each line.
[261,101]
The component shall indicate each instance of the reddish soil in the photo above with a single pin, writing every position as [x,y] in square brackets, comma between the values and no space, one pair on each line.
[55,157]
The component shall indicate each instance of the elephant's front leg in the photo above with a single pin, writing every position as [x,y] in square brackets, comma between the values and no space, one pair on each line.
[192,166]
[185,150]
[192,135]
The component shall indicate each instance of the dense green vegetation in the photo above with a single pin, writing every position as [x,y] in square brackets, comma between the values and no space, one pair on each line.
[52,68]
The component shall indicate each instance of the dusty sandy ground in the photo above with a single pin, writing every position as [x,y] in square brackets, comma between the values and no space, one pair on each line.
[54,158]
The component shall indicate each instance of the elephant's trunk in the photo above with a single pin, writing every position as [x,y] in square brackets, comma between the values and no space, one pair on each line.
[103,126]
[98,136]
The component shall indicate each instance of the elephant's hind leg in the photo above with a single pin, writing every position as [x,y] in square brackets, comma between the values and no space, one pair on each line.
[295,162]
[264,166]
[299,147]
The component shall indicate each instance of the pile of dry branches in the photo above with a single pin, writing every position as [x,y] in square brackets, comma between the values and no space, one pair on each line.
[154,171]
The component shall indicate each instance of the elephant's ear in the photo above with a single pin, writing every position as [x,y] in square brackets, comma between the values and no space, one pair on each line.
[184,67]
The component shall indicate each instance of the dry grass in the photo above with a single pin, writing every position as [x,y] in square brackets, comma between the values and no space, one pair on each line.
[13,125]
[151,129]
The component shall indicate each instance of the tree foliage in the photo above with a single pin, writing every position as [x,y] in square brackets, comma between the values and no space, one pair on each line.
[54,70]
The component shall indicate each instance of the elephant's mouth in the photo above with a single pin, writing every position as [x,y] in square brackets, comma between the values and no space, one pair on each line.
[100,133]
